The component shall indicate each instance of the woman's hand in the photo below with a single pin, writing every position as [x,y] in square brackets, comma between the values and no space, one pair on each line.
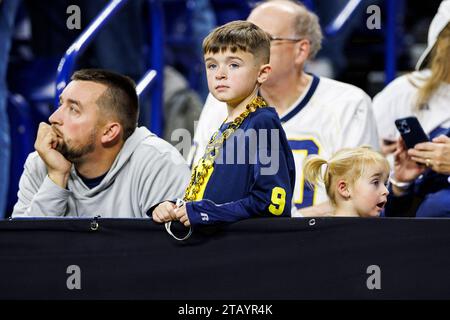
[434,155]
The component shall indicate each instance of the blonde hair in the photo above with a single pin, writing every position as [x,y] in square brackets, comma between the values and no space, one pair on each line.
[439,64]
[347,163]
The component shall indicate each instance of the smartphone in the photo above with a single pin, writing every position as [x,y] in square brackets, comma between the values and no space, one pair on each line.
[411,131]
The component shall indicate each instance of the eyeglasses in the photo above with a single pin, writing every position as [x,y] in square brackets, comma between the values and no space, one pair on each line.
[275,38]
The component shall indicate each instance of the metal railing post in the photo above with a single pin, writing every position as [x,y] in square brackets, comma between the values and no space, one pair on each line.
[67,63]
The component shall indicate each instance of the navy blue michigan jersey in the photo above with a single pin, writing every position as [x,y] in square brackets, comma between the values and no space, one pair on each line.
[253,174]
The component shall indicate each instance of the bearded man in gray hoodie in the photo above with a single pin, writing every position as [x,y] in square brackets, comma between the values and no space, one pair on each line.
[92,159]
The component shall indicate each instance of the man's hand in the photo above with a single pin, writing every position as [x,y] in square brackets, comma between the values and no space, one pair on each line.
[435,154]
[46,143]
[164,212]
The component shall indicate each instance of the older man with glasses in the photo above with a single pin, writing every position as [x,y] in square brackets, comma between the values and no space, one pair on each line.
[319,115]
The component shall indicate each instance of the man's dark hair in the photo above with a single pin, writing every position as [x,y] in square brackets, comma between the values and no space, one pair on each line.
[119,100]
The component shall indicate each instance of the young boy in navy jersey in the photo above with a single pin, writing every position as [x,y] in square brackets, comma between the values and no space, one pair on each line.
[248,167]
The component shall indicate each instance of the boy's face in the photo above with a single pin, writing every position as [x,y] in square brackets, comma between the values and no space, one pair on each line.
[233,76]
[369,193]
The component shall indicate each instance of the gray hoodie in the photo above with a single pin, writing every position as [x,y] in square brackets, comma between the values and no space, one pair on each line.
[146,171]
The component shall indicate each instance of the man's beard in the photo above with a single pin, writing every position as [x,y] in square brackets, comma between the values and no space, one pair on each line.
[75,154]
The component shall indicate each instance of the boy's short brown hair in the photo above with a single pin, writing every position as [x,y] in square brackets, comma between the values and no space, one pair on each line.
[239,35]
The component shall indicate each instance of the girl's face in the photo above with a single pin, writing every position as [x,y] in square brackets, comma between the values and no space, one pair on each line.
[369,193]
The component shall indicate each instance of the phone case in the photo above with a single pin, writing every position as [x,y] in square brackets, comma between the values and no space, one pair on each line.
[411,131]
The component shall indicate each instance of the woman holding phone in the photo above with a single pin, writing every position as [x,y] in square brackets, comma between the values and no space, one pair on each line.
[420,184]
[424,93]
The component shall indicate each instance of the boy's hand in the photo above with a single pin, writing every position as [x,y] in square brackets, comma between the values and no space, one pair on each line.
[164,212]
[46,143]
[181,215]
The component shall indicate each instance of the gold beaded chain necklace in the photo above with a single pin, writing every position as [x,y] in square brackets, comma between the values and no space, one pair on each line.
[206,162]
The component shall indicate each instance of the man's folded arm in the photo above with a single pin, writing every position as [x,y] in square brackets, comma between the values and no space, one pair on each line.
[39,197]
